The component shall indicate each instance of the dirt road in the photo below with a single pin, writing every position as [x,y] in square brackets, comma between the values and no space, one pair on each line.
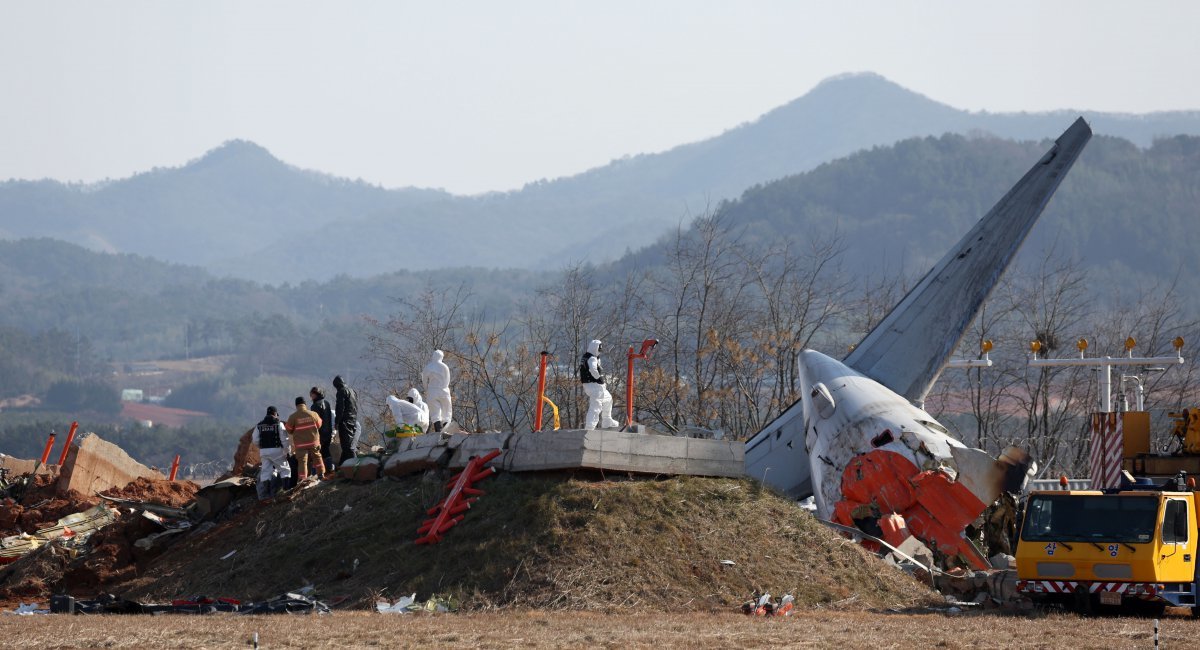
[533,629]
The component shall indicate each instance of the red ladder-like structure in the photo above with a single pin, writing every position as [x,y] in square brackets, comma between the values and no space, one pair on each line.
[449,511]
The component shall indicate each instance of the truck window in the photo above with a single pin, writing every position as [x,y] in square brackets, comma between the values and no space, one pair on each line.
[1174,525]
[1067,517]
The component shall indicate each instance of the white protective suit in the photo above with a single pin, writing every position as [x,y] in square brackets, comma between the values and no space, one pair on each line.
[413,412]
[436,377]
[591,375]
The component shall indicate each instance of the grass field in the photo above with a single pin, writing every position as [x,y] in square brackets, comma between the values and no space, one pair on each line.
[535,629]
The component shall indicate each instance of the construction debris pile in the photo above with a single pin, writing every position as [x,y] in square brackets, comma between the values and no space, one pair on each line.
[85,523]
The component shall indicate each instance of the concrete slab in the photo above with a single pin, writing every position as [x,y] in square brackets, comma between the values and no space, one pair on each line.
[624,451]
[19,466]
[94,465]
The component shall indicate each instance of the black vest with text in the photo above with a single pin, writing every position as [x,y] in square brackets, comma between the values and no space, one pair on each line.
[585,375]
[268,434]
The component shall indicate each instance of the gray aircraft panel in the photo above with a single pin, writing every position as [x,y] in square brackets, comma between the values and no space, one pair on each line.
[908,349]
[777,455]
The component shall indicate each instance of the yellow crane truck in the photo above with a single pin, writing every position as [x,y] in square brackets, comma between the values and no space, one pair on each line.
[1132,547]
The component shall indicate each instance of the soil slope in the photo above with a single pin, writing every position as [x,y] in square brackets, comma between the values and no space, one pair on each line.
[544,542]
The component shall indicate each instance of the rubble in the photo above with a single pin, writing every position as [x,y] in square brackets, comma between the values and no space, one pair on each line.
[19,466]
[289,603]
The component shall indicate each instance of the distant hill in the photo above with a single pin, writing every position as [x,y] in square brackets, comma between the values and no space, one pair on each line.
[239,211]
[1128,211]
[1130,214]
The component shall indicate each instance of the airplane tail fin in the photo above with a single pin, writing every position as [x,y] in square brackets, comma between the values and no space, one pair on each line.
[908,348]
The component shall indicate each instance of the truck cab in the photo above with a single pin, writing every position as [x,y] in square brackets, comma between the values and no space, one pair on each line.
[1130,546]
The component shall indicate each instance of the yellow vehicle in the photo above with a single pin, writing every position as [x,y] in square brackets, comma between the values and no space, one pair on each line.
[1132,547]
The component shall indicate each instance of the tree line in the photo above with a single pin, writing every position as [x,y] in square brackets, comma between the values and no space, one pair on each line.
[731,319]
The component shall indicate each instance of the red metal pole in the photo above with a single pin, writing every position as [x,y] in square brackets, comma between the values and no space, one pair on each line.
[629,389]
[174,468]
[49,446]
[537,414]
[647,346]
[70,438]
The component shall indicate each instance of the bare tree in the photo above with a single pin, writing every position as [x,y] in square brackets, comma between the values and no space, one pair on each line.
[1050,304]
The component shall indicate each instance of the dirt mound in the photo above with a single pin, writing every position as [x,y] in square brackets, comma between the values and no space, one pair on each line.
[32,577]
[177,494]
[681,543]
[40,507]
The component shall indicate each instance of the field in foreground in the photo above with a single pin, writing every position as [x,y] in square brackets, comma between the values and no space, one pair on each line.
[537,629]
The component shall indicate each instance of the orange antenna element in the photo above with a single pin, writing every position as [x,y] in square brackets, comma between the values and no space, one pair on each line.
[174,468]
[1062,480]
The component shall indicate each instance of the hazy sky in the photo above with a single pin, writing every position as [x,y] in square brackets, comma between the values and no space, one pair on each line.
[476,96]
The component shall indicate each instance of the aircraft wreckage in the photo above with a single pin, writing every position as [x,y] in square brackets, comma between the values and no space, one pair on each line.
[859,440]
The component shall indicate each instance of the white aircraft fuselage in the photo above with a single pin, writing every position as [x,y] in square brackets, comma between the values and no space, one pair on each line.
[874,454]
[857,441]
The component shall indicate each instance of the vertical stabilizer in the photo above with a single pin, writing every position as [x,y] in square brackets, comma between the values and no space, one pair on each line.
[907,350]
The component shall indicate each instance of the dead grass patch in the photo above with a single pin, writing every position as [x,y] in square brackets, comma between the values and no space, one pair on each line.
[535,542]
[540,629]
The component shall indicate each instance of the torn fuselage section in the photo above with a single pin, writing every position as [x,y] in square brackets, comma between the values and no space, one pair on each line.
[875,456]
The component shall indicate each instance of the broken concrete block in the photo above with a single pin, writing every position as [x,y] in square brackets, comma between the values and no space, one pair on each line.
[465,446]
[94,465]
[363,469]
[212,499]
[1003,561]
[1002,585]
[417,458]
[18,466]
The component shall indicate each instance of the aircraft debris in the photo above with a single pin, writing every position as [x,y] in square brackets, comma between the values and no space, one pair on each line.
[288,603]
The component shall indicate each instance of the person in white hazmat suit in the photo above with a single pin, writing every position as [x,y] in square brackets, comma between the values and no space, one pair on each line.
[411,411]
[436,377]
[273,448]
[591,375]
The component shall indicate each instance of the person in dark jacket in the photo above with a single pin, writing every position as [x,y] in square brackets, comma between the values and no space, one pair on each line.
[345,413]
[321,407]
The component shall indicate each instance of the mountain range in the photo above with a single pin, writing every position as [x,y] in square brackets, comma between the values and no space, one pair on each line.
[240,212]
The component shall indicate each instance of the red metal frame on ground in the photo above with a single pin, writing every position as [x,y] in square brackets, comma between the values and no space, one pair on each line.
[448,512]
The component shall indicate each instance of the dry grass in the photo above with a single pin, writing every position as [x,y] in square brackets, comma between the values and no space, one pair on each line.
[535,542]
[533,629]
